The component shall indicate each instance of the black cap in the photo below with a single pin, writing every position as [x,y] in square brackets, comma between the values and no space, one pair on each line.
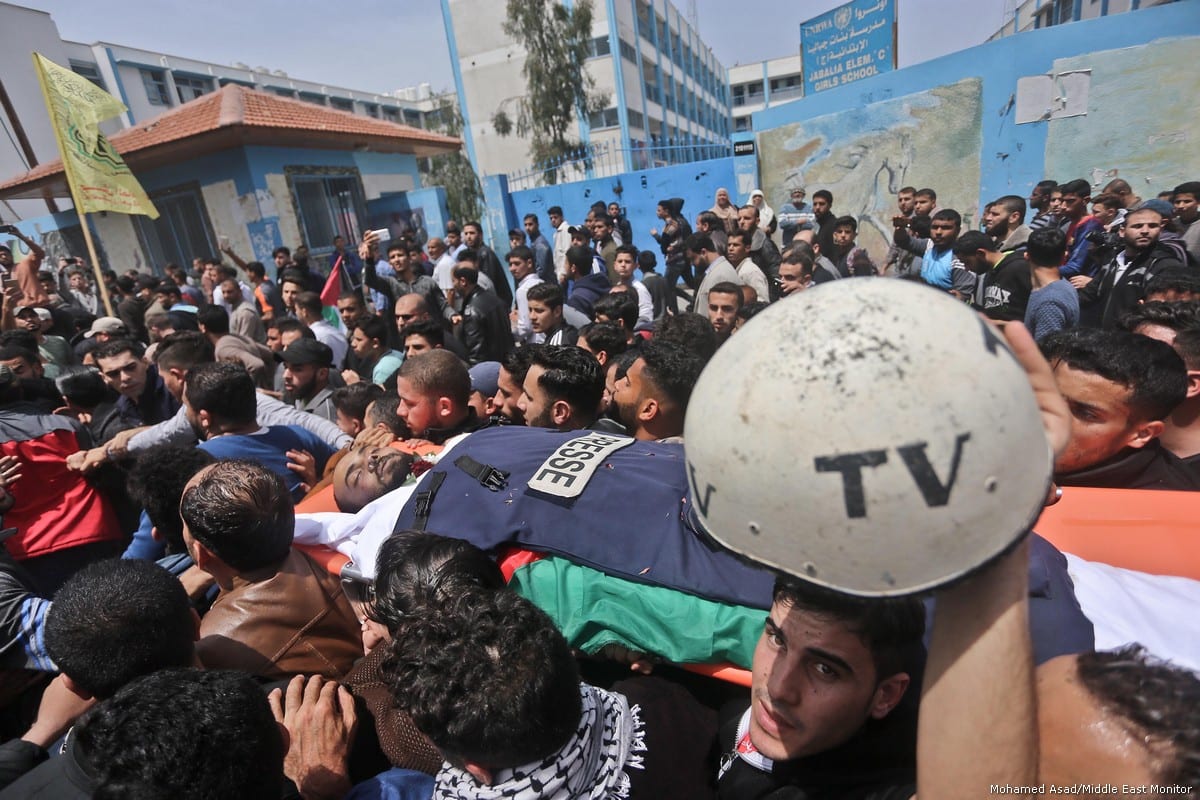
[307,351]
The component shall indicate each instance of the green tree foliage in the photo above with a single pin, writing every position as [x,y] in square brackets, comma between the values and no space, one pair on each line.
[453,171]
[557,83]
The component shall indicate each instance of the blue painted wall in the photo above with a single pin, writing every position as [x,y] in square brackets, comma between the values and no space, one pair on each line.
[639,194]
[1013,156]
[226,165]
[265,160]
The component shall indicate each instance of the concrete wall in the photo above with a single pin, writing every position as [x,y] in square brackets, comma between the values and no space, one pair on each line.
[696,183]
[950,123]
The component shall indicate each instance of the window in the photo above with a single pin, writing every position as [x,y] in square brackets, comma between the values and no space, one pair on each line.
[283,92]
[787,87]
[391,114]
[628,52]
[370,109]
[599,47]
[182,230]
[645,21]
[313,97]
[741,124]
[327,205]
[412,117]
[189,88]
[227,81]
[341,103]
[89,71]
[604,119]
[155,82]
[636,120]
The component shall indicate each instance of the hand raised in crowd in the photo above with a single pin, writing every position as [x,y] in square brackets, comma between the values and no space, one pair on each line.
[369,247]
[351,377]
[321,721]
[10,473]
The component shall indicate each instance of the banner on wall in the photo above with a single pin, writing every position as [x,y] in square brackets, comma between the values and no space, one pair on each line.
[853,41]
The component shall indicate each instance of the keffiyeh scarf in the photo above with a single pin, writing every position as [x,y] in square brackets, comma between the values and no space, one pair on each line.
[592,764]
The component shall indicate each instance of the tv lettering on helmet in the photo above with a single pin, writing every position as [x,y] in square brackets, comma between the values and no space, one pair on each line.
[567,471]
[851,466]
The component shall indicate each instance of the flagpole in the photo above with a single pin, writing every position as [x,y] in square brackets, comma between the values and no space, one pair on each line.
[62,153]
[91,246]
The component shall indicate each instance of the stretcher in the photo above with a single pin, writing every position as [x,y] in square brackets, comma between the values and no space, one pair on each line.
[1152,532]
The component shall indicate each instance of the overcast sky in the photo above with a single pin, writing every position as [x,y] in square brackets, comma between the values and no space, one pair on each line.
[382,45]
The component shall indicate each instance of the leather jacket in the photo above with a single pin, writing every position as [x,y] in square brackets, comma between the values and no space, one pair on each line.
[485,331]
[295,621]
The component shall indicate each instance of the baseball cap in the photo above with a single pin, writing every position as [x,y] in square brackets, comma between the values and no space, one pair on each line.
[307,351]
[574,229]
[485,377]
[108,325]
[43,313]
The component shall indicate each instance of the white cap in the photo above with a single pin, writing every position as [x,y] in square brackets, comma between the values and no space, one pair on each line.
[871,435]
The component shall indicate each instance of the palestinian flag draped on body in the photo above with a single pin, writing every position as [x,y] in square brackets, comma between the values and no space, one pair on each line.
[98,177]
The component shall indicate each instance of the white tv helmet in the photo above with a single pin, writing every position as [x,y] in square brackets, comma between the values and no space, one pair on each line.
[872,436]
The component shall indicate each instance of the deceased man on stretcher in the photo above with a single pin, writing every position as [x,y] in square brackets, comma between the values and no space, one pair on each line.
[558,511]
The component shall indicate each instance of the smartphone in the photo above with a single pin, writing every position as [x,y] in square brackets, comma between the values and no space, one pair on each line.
[382,235]
[10,283]
[223,242]
[10,229]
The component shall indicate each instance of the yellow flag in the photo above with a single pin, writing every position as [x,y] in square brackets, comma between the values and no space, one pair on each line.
[98,177]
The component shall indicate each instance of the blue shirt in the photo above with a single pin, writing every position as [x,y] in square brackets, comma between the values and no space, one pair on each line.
[269,447]
[1052,308]
[386,366]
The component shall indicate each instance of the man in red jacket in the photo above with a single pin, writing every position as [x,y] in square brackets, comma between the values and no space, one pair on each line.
[62,521]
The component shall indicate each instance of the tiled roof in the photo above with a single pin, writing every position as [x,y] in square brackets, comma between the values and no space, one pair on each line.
[235,106]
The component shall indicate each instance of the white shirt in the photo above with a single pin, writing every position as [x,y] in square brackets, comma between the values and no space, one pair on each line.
[753,277]
[328,335]
[522,330]
[562,243]
[443,272]
[645,302]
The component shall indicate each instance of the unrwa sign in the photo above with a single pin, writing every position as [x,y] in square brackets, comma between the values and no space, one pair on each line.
[853,41]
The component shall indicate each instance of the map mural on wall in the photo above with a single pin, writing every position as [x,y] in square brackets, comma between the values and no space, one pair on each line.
[864,155]
[1140,123]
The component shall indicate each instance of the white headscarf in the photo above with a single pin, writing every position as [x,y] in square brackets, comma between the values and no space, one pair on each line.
[766,214]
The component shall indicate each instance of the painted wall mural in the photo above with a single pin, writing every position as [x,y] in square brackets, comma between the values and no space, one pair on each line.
[1141,116]
[864,155]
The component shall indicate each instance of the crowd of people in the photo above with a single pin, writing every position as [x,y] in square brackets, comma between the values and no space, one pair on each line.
[171,624]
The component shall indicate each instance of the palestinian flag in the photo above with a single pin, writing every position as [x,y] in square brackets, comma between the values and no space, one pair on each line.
[336,285]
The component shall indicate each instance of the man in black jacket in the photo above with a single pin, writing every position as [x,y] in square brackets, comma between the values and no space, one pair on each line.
[1005,278]
[484,331]
[489,262]
[1119,387]
[1121,284]
[832,711]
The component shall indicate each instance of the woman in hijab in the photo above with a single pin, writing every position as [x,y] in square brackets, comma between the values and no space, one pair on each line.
[766,215]
[726,210]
